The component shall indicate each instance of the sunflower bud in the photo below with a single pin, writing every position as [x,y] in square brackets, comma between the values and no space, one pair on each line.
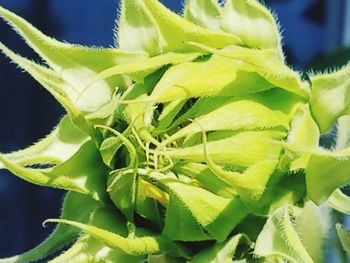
[191,139]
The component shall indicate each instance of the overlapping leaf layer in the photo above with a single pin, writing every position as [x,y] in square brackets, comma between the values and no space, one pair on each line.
[191,141]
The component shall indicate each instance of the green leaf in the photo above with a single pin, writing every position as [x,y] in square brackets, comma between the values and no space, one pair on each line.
[329,97]
[137,29]
[150,26]
[75,65]
[135,246]
[218,76]
[59,146]
[242,148]
[250,184]
[138,115]
[304,134]
[229,72]
[321,164]
[204,13]
[109,148]
[203,105]
[140,69]
[303,138]
[343,133]
[168,115]
[62,90]
[277,100]
[344,237]
[248,115]
[164,258]
[90,250]
[181,224]
[133,162]
[86,170]
[81,173]
[261,62]
[265,63]
[61,55]
[216,214]
[317,231]
[280,237]
[123,193]
[50,80]
[146,205]
[207,178]
[252,22]
[325,89]
[112,144]
[279,189]
[220,252]
[339,201]
[75,207]
[104,114]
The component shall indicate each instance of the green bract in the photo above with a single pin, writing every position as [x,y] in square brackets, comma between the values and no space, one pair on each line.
[192,141]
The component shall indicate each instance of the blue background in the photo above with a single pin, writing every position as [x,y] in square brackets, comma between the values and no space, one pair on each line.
[27,112]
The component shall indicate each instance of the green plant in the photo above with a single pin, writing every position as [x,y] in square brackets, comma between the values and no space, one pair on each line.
[191,141]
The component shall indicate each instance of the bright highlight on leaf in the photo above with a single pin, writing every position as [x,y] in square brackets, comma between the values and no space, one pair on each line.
[191,141]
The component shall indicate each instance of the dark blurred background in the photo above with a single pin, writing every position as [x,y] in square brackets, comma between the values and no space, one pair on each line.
[316,35]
